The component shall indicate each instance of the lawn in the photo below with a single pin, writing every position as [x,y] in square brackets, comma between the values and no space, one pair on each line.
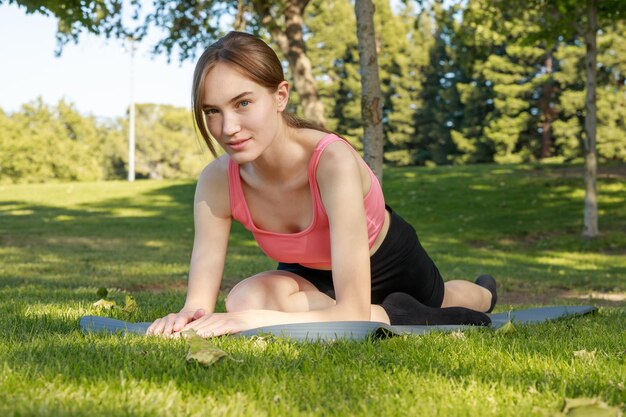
[60,242]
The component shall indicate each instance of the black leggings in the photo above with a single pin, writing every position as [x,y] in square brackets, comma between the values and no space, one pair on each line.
[399,265]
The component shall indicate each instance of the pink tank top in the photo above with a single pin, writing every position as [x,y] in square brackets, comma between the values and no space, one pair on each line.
[310,247]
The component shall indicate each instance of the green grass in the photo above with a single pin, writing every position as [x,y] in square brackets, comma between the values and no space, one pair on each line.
[60,242]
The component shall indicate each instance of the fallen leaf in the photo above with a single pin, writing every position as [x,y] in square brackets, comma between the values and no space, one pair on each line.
[260,342]
[507,328]
[104,304]
[457,335]
[130,304]
[201,351]
[589,407]
[585,355]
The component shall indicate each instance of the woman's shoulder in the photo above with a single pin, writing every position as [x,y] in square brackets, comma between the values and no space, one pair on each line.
[216,170]
[214,176]
[212,186]
[340,160]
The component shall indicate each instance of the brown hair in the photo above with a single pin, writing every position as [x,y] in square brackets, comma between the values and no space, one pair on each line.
[251,57]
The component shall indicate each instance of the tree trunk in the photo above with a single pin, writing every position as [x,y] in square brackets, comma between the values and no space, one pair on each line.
[291,41]
[548,110]
[590,227]
[240,22]
[371,96]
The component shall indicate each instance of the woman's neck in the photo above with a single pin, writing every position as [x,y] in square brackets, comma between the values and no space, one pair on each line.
[287,154]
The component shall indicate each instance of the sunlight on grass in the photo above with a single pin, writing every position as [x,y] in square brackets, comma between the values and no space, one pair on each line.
[482,187]
[579,261]
[515,222]
[134,212]
[18,212]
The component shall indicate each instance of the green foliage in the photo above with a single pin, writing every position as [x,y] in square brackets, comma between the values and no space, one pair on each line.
[166,143]
[403,43]
[611,96]
[462,82]
[100,17]
[441,110]
[41,143]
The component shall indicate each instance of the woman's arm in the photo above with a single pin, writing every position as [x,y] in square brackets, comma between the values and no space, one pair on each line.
[212,223]
[342,191]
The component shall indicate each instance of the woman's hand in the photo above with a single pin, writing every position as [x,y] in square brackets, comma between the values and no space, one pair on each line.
[219,324]
[174,323]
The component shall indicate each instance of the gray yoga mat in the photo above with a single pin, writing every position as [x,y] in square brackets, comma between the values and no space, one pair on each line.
[356,330]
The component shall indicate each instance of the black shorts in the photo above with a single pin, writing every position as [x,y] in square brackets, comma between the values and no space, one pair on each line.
[399,265]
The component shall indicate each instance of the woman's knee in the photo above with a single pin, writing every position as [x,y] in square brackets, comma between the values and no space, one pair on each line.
[260,292]
[246,295]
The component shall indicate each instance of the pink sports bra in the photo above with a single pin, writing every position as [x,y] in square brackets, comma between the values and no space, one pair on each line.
[310,247]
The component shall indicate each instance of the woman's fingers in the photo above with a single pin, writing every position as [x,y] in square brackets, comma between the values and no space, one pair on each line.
[169,324]
[156,327]
[182,319]
[174,323]
[205,325]
[219,326]
[199,313]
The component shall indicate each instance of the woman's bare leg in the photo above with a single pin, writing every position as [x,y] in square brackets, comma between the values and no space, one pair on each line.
[459,293]
[284,291]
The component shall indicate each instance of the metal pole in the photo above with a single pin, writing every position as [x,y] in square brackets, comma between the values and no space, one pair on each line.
[131,121]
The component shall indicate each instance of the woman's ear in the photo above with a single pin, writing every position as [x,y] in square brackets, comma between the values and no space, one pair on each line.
[282,95]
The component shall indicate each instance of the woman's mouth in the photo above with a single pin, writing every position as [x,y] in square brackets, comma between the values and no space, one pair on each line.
[237,145]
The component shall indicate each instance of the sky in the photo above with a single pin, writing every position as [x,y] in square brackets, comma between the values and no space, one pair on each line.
[94,74]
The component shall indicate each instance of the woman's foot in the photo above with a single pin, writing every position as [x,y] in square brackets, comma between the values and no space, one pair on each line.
[487,282]
[404,309]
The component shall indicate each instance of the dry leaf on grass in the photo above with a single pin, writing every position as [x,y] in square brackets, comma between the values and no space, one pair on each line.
[130,305]
[104,304]
[201,351]
[585,355]
[589,407]
[507,328]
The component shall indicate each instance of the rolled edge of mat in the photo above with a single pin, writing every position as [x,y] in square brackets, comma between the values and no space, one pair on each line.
[323,331]
[97,324]
[539,314]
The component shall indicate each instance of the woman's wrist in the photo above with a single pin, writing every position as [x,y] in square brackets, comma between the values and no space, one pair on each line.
[193,307]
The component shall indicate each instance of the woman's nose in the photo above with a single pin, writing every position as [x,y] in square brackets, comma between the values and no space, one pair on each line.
[231,124]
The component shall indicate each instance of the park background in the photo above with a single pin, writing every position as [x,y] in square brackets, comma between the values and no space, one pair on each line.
[461,83]
[484,135]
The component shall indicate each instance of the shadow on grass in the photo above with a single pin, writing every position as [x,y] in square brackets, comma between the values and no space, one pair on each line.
[526,358]
[505,220]
[141,240]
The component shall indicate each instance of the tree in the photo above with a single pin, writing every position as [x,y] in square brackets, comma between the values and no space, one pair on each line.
[568,18]
[371,96]
[402,46]
[99,17]
[43,143]
[167,146]
[405,40]
[441,109]
[189,26]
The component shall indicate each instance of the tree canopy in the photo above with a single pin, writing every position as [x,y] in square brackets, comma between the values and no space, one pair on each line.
[461,82]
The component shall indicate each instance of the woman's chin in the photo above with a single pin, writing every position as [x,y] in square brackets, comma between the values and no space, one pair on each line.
[242,157]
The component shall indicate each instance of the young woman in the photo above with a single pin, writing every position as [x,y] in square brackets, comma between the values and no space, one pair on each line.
[312,204]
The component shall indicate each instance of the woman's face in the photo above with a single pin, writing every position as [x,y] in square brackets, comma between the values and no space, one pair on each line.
[241,115]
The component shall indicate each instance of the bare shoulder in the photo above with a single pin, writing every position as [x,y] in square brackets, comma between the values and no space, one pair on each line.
[212,187]
[216,170]
[338,158]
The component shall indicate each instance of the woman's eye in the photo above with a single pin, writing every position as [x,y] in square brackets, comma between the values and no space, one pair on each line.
[244,103]
[210,112]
